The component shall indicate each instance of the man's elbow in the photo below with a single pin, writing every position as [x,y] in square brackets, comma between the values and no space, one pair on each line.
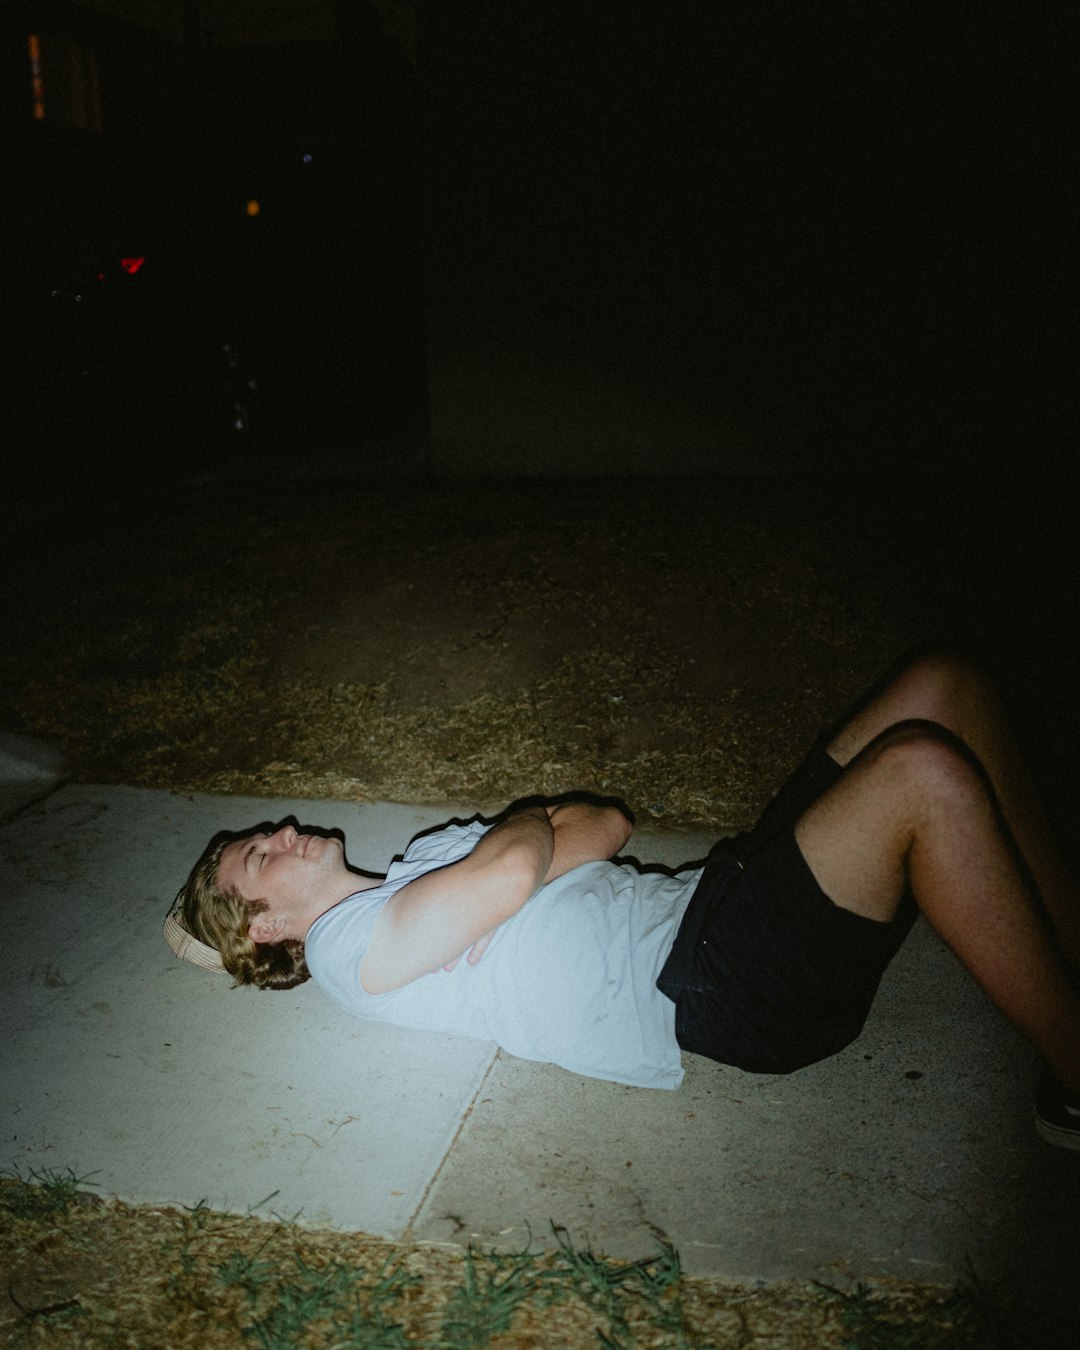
[611,830]
[589,832]
[621,829]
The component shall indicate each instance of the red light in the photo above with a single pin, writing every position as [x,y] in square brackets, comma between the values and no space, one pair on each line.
[131,265]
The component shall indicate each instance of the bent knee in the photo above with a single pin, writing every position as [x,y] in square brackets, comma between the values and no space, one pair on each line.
[928,760]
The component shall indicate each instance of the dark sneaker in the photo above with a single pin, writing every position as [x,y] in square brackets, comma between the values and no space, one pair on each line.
[1057,1113]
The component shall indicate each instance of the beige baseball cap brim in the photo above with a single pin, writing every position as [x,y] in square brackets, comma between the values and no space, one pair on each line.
[189,948]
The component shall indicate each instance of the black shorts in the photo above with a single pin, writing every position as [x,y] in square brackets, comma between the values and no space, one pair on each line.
[766,973]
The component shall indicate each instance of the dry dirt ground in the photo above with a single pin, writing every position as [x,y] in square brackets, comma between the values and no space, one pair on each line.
[673,644]
[454,643]
[82,1272]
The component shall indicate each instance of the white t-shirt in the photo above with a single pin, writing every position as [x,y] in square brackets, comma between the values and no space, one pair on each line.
[569,980]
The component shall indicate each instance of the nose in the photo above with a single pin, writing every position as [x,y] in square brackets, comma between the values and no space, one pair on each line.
[283,839]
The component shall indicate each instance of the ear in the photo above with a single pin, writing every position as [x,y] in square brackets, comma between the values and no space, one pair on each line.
[267,927]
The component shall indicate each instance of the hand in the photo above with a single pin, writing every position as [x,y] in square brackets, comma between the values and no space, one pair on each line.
[476,951]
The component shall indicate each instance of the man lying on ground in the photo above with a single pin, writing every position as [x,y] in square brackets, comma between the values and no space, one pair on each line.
[767,958]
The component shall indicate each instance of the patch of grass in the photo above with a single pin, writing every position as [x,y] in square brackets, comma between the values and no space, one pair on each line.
[600,1283]
[628,1295]
[111,1274]
[312,1296]
[660,1283]
[335,1302]
[484,1305]
[972,1317]
[40,1194]
[373,1322]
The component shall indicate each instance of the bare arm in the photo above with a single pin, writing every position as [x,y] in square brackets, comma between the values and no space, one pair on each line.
[433,919]
[455,909]
[585,833]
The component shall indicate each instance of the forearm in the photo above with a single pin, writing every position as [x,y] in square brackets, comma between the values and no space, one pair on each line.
[520,849]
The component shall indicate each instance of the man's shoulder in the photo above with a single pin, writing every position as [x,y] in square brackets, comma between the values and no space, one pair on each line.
[445,843]
[354,917]
[355,910]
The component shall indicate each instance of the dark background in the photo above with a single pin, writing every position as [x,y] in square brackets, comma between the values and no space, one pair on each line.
[816,236]
[651,238]
[318,298]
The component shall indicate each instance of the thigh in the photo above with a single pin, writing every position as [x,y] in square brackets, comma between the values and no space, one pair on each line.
[852,844]
[858,836]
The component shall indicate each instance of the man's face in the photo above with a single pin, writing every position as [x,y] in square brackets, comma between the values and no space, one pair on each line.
[298,875]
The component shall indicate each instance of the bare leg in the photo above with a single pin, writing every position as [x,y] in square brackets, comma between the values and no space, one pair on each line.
[957,696]
[913,811]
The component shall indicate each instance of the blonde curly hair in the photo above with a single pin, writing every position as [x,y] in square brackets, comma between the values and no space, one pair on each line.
[220,918]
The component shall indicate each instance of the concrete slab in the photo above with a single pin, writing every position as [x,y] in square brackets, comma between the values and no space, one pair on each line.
[165,1082]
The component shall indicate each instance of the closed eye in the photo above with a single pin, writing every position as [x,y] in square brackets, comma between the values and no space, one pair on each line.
[251,849]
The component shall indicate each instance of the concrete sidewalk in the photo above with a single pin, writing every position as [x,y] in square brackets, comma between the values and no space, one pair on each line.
[911,1155]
